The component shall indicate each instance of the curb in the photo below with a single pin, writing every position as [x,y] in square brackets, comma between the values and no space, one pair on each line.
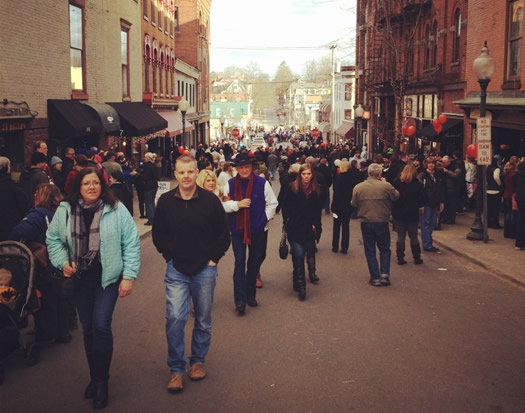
[489,268]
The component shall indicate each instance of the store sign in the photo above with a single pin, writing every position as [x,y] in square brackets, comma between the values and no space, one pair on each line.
[9,126]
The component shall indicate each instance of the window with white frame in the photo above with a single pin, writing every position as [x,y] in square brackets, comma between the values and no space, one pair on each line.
[515,35]
[124,59]
[76,44]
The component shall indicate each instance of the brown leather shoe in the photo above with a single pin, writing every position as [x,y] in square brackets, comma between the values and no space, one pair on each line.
[176,383]
[196,372]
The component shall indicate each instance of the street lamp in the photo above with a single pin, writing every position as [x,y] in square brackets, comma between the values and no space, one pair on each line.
[484,69]
[183,107]
[359,112]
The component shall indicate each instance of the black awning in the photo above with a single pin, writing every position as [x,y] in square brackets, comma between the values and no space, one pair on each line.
[108,116]
[138,119]
[452,129]
[71,119]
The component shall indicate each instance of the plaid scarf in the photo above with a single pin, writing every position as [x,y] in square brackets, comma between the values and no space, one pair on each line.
[86,242]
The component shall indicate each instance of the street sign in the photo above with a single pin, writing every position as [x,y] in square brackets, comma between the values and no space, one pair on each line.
[315,133]
[236,133]
[483,126]
[484,153]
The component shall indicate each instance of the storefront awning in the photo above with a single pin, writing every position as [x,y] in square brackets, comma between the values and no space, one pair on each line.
[174,119]
[71,119]
[108,116]
[324,127]
[138,119]
[452,129]
[346,130]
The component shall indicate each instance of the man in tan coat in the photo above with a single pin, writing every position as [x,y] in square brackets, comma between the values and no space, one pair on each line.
[373,199]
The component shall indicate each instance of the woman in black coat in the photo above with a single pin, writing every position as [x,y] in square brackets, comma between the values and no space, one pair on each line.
[405,212]
[302,217]
[344,185]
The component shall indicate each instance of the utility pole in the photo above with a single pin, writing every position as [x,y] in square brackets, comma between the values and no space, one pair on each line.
[332,111]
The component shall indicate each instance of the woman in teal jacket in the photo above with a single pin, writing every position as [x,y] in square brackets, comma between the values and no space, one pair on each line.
[93,237]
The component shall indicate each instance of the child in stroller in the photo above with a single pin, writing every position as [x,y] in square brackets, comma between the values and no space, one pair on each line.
[18,299]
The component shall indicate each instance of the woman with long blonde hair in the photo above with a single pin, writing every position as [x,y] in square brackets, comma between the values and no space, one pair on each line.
[405,212]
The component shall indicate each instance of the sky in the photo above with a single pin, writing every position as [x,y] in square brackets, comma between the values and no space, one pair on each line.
[272,31]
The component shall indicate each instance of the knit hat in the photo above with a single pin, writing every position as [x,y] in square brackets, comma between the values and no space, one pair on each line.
[55,160]
[37,158]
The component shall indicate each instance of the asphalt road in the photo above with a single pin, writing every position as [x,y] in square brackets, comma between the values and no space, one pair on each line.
[446,337]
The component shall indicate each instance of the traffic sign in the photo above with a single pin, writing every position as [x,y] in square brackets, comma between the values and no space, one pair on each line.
[483,126]
[315,133]
[236,133]
[484,153]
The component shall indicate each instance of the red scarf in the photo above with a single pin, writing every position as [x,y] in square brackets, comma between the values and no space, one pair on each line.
[243,215]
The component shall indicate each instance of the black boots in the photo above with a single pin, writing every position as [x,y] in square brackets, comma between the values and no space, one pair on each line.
[299,280]
[97,389]
[416,253]
[400,252]
[310,260]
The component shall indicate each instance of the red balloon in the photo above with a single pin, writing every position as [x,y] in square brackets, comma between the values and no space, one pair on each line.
[181,149]
[472,150]
[411,130]
[442,118]
[404,129]
[186,152]
[439,129]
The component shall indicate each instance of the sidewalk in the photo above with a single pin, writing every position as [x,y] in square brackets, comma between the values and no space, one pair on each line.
[497,256]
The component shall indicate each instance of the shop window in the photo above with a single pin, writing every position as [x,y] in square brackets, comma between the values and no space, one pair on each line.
[76,44]
[515,35]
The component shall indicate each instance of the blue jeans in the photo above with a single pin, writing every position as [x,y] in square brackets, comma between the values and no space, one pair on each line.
[149,200]
[95,310]
[180,289]
[427,224]
[376,233]
[245,273]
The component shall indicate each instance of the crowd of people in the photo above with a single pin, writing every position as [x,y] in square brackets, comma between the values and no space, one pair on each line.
[80,207]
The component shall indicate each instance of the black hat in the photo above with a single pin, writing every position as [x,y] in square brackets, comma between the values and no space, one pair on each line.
[243,159]
[37,158]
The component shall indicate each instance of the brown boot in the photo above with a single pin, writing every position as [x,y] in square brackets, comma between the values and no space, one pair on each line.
[176,384]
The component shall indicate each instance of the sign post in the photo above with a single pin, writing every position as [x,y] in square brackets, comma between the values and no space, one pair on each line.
[484,142]
[236,133]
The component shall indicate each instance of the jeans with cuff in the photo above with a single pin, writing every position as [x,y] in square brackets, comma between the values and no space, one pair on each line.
[377,233]
[180,290]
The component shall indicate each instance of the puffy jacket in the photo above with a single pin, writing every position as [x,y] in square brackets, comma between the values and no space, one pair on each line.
[119,242]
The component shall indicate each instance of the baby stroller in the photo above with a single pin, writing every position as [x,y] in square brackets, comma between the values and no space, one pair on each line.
[18,299]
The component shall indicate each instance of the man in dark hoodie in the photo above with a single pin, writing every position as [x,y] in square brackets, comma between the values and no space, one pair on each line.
[33,175]
[14,203]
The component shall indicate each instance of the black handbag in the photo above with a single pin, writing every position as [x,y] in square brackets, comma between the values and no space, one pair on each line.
[283,245]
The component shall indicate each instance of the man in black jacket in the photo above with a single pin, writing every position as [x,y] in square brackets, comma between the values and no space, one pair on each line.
[191,232]
[14,203]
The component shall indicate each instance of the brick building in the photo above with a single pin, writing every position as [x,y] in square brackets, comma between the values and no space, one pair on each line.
[431,36]
[193,39]
[500,23]
[66,62]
